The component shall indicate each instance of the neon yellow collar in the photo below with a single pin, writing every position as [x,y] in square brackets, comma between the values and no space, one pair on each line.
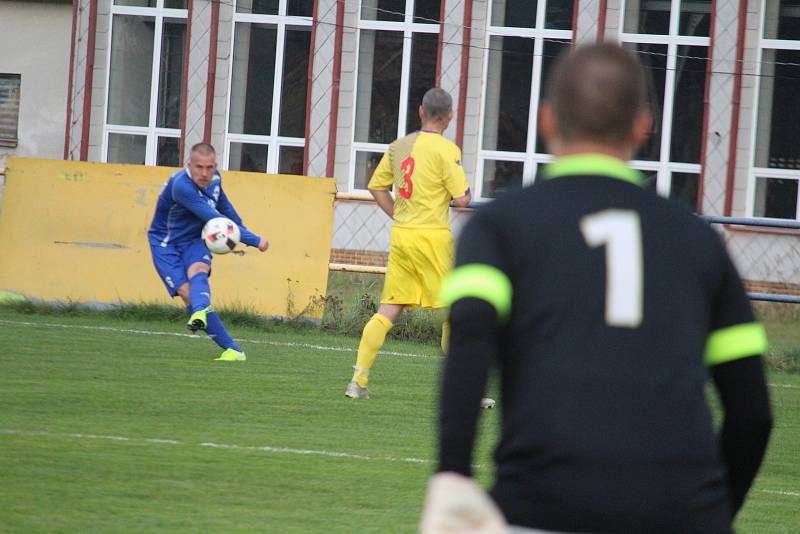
[593,165]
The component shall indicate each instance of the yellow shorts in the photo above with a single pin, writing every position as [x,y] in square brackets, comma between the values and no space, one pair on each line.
[419,259]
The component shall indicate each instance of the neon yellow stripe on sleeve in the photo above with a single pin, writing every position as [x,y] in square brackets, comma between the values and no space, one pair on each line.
[479,281]
[734,342]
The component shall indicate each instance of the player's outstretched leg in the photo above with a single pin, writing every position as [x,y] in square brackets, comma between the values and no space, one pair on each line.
[372,339]
[200,298]
[216,331]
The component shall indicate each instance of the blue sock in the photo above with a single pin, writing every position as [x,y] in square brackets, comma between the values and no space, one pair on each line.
[217,332]
[199,292]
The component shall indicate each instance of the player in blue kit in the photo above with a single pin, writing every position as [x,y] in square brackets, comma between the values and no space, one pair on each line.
[191,198]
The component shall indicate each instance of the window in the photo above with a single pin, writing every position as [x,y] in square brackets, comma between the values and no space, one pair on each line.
[9,109]
[145,82]
[269,84]
[524,39]
[776,165]
[671,39]
[397,49]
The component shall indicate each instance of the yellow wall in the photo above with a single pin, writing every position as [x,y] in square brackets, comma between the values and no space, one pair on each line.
[78,231]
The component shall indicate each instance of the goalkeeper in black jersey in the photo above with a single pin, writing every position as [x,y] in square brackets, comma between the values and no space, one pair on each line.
[606,309]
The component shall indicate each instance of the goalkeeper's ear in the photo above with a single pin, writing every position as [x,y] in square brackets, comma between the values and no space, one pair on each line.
[455,503]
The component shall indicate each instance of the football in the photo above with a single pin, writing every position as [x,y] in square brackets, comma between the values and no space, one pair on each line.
[221,235]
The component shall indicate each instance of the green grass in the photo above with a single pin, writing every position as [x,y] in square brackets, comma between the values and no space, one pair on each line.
[67,391]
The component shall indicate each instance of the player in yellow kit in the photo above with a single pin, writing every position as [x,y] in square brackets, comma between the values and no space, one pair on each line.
[425,170]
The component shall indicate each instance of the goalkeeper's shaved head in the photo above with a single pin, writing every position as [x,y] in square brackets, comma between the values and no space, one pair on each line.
[596,94]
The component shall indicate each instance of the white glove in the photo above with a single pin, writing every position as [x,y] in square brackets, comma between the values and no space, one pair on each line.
[455,504]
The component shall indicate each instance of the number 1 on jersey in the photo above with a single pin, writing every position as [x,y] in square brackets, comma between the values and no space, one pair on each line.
[621,233]
[408,169]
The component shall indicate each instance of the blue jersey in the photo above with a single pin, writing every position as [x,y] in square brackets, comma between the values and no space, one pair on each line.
[183,209]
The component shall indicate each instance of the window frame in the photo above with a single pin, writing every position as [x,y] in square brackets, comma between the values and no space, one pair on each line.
[13,142]
[663,167]
[273,141]
[530,158]
[408,27]
[755,172]
[153,133]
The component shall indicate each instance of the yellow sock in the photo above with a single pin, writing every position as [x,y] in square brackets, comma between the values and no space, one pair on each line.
[371,342]
[445,336]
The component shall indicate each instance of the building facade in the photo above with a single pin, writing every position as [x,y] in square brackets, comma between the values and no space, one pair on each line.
[320,87]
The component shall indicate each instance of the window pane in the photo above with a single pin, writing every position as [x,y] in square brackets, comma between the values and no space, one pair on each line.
[647,16]
[167,153]
[290,160]
[295,82]
[558,14]
[300,8]
[423,74]
[9,106]
[782,19]
[391,10]
[248,157]
[654,60]
[131,71]
[171,74]
[365,166]
[380,59]
[687,110]
[136,3]
[500,176]
[508,94]
[253,79]
[175,4]
[427,11]
[684,188]
[125,148]
[778,129]
[260,7]
[552,51]
[695,17]
[515,13]
[776,197]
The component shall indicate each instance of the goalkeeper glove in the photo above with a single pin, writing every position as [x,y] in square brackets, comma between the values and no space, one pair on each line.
[456,504]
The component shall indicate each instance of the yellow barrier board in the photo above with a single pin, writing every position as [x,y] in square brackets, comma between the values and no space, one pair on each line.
[78,231]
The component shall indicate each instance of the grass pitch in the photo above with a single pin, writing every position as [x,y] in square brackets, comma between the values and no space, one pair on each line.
[107,426]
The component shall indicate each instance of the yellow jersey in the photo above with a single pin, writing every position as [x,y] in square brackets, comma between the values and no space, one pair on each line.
[425,170]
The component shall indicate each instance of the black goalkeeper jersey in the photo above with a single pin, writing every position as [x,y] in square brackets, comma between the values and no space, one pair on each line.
[611,304]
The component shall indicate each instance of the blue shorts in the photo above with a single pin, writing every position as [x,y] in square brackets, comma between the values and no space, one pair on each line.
[172,262]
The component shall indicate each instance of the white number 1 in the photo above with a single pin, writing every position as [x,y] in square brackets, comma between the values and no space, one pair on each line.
[621,233]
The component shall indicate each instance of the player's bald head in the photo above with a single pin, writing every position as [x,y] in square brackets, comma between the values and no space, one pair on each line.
[203,149]
[596,94]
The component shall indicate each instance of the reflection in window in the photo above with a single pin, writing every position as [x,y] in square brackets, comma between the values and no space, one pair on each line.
[687,109]
[654,60]
[776,197]
[168,151]
[685,188]
[778,129]
[782,19]
[131,70]
[173,38]
[423,55]
[290,160]
[366,162]
[500,177]
[253,78]
[124,148]
[377,102]
[508,94]
[248,157]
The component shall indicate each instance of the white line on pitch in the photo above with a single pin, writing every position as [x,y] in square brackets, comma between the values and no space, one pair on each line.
[778,492]
[254,448]
[784,386]
[192,336]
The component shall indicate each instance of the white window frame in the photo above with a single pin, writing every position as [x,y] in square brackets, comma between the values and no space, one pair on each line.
[159,13]
[530,158]
[408,27]
[664,167]
[273,141]
[766,172]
